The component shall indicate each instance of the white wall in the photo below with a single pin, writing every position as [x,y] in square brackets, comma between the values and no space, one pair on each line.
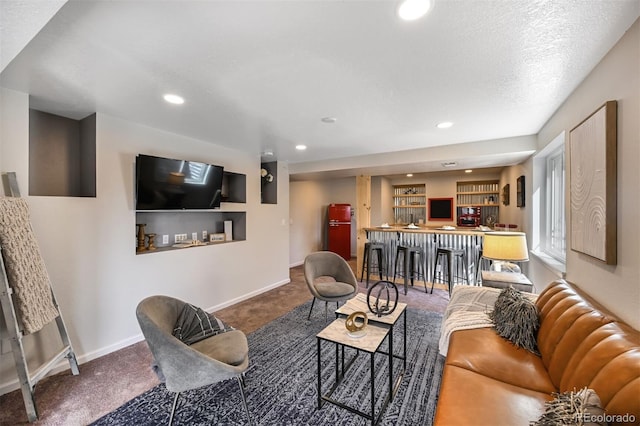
[512,213]
[88,244]
[308,212]
[307,216]
[616,77]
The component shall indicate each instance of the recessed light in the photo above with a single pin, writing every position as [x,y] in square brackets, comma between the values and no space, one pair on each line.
[174,99]
[410,10]
[468,171]
[267,153]
[328,120]
[444,125]
[301,147]
[409,174]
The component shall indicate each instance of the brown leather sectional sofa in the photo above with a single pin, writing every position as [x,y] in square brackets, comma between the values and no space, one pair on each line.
[489,381]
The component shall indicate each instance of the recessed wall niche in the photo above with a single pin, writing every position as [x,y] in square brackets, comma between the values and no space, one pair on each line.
[234,187]
[269,182]
[62,155]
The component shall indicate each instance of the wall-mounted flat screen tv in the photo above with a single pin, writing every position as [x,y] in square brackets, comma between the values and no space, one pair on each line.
[440,208]
[170,184]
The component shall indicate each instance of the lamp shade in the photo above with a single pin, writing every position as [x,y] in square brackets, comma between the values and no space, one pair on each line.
[509,246]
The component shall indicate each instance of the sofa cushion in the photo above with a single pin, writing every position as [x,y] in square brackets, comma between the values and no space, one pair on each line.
[483,351]
[469,398]
[515,318]
[584,345]
[608,361]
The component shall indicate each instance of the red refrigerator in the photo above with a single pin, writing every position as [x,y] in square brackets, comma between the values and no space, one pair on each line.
[339,232]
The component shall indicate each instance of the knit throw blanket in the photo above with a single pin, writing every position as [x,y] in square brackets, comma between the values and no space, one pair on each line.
[469,308]
[25,267]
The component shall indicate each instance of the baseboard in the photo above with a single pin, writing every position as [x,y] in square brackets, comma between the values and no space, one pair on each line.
[14,384]
[247,296]
[64,364]
[294,264]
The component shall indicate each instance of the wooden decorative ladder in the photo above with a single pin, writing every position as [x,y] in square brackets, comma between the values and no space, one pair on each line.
[27,379]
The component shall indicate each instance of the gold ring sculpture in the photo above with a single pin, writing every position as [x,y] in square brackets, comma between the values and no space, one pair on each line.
[351,323]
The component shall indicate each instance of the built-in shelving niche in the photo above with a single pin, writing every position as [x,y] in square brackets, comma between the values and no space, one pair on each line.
[234,187]
[62,155]
[269,186]
[172,222]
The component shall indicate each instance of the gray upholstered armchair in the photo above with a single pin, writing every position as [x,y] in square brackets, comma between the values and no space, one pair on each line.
[342,284]
[184,367]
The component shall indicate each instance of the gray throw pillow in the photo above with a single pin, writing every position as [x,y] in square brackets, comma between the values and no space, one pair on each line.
[194,324]
[573,408]
[515,317]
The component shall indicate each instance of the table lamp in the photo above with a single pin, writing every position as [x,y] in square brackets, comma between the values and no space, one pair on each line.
[505,247]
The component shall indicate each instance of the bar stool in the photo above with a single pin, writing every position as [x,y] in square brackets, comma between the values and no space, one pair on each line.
[410,256]
[451,255]
[481,262]
[378,266]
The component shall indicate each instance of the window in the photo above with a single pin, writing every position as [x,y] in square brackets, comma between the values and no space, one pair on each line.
[555,237]
[549,202]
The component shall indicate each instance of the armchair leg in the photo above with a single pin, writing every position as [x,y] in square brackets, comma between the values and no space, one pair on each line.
[244,399]
[173,408]
[311,310]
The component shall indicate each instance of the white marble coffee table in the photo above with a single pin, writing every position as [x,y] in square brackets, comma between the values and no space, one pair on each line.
[337,334]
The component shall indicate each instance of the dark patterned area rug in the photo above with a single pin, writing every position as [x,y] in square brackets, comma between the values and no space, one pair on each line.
[282,381]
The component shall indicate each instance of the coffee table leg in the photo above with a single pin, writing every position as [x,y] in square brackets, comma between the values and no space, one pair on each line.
[319,374]
[337,364]
[373,399]
[391,362]
[405,340]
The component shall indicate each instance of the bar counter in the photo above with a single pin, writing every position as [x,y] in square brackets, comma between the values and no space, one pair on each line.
[429,238]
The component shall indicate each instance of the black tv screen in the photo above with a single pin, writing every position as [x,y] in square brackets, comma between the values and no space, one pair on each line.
[169,184]
[440,208]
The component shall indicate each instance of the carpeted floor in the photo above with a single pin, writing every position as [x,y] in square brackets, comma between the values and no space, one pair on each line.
[282,381]
[106,383]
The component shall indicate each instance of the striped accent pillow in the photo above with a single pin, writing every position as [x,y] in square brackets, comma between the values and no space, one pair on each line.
[194,324]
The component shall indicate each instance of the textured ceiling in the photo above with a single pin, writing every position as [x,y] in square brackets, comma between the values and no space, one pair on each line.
[260,75]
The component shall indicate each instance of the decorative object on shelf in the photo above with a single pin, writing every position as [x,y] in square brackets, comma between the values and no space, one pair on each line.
[266,176]
[385,303]
[151,241]
[505,195]
[504,248]
[476,200]
[141,246]
[593,184]
[520,192]
[409,203]
[217,237]
[491,220]
[355,328]
[269,182]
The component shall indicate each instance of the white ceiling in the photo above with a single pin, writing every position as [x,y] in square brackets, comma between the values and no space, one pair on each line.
[260,75]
